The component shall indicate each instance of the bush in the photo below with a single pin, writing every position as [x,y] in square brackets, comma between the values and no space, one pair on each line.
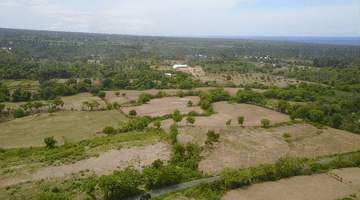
[50,142]
[265,123]
[241,120]
[131,101]
[109,106]
[102,95]
[177,117]
[18,113]
[228,122]
[212,135]
[123,94]
[190,120]
[50,110]
[133,112]
[287,135]
[117,93]
[46,196]
[108,130]
[190,103]
[157,123]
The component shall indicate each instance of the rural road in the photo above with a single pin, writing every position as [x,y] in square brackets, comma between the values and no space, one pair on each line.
[192,183]
[175,187]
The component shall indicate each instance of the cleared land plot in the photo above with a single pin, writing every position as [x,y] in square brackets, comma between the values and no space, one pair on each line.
[8,82]
[320,187]
[16,83]
[106,163]
[26,83]
[241,147]
[71,126]
[166,105]
[76,101]
[225,111]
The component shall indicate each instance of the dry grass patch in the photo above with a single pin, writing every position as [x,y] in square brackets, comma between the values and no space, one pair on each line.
[320,187]
[76,101]
[166,105]
[72,126]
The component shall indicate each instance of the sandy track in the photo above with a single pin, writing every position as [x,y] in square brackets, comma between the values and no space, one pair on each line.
[166,105]
[104,164]
[319,187]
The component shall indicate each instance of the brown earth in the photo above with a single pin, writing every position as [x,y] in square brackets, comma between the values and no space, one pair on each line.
[319,187]
[240,147]
[225,111]
[166,105]
[76,101]
[106,163]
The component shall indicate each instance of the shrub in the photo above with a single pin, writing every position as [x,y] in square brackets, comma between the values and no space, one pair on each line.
[177,117]
[265,123]
[50,142]
[212,135]
[108,130]
[132,101]
[133,112]
[123,94]
[18,113]
[50,110]
[190,103]
[102,95]
[287,135]
[117,93]
[193,113]
[241,120]
[190,120]
[157,123]
[228,122]
[109,106]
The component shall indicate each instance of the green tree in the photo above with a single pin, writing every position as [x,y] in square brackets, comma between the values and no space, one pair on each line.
[18,113]
[123,94]
[284,107]
[190,103]
[38,105]
[228,77]
[117,93]
[102,95]
[89,187]
[212,135]
[50,110]
[190,120]
[176,116]
[108,130]
[316,115]
[241,120]
[133,112]
[50,142]
[336,120]
[2,106]
[109,106]
[157,123]
[265,123]
[94,90]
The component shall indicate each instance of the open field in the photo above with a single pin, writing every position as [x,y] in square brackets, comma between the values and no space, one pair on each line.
[166,105]
[76,101]
[240,147]
[106,163]
[16,83]
[7,82]
[71,126]
[225,111]
[320,187]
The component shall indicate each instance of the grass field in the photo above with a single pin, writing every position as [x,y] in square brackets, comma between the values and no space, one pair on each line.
[8,82]
[26,83]
[71,126]
[16,83]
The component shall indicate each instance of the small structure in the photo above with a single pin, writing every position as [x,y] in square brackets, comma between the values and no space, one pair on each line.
[169,74]
[177,66]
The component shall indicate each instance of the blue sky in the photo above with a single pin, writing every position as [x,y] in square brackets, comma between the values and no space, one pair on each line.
[186,17]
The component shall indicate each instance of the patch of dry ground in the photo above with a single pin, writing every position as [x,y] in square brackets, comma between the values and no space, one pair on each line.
[240,147]
[76,101]
[104,164]
[166,105]
[319,187]
[225,111]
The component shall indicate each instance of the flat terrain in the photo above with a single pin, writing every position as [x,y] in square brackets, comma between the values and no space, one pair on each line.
[106,163]
[320,187]
[76,101]
[166,105]
[72,126]
[242,147]
[225,111]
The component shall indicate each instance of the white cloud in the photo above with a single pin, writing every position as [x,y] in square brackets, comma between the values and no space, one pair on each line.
[8,3]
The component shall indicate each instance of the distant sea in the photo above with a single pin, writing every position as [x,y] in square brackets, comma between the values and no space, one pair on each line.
[303,39]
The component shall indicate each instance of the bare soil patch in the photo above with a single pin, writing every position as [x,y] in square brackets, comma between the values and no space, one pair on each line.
[104,164]
[76,101]
[320,187]
[166,105]
[240,147]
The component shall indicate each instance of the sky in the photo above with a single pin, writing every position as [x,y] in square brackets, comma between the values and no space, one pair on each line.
[186,17]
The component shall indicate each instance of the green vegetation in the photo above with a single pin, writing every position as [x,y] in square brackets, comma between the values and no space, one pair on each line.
[228,122]
[190,120]
[108,130]
[265,123]
[132,112]
[176,116]
[50,142]
[287,135]
[241,120]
